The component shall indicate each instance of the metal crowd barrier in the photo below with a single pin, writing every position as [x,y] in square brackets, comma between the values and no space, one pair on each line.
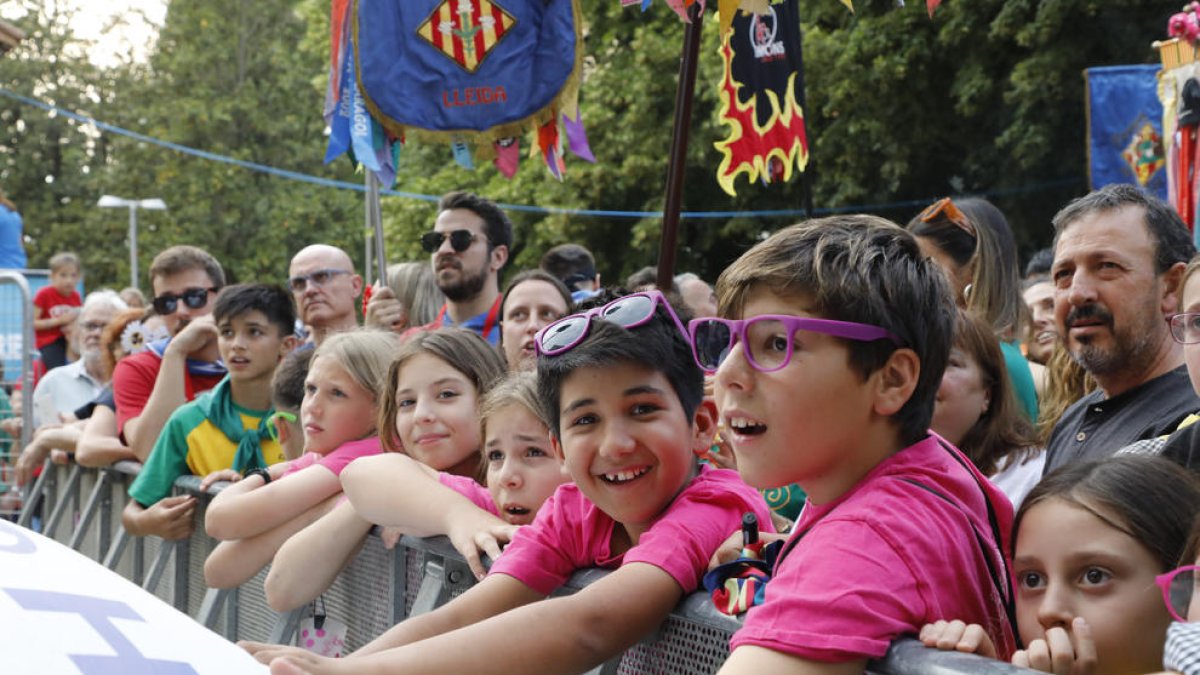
[16,358]
[380,587]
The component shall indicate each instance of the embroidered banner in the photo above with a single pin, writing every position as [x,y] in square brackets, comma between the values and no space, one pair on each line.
[1125,128]
[760,97]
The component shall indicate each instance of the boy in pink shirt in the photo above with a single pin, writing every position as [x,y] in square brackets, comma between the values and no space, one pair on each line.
[624,404]
[827,366]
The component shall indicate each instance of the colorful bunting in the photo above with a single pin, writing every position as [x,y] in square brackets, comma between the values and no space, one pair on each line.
[577,140]
[508,156]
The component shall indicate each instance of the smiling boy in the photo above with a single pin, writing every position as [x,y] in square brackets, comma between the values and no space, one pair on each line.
[625,413]
[255,325]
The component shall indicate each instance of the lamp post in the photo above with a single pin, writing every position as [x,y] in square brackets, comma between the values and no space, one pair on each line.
[154,204]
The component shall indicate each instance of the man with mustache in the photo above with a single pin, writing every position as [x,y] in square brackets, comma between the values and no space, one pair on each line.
[150,385]
[468,246]
[1118,257]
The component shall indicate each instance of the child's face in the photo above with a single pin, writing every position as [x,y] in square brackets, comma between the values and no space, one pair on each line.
[626,441]
[1070,563]
[1190,302]
[522,469]
[65,278]
[336,408]
[437,416]
[962,397]
[804,423]
[250,346]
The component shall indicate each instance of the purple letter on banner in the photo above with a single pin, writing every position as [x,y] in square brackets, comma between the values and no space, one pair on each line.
[98,612]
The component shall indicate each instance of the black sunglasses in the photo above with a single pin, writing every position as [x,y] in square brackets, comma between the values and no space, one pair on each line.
[460,240]
[195,298]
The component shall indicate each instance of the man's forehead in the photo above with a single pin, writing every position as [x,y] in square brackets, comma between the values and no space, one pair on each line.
[1121,232]
[458,219]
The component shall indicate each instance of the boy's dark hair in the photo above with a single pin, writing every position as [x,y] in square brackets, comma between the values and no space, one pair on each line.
[657,345]
[1172,241]
[1149,498]
[1040,263]
[287,386]
[864,269]
[183,258]
[570,263]
[274,302]
[496,224]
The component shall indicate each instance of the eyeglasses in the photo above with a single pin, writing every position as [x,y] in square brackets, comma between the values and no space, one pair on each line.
[1185,328]
[273,422]
[92,325]
[460,240]
[630,311]
[194,298]
[945,208]
[767,339]
[1177,588]
[300,282]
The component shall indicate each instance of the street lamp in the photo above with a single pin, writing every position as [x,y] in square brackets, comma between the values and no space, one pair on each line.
[111,202]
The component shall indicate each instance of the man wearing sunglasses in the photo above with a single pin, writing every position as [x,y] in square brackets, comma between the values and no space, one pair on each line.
[1119,255]
[150,385]
[325,287]
[468,246]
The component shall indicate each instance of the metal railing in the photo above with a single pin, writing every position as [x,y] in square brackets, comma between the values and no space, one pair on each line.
[16,352]
[380,587]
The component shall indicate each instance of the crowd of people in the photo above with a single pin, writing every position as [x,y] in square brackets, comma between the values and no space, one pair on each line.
[943,447]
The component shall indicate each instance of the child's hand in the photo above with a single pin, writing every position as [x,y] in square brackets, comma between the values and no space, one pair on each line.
[1062,652]
[385,311]
[471,541]
[228,475]
[731,548]
[959,636]
[264,652]
[390,536]
[171,517]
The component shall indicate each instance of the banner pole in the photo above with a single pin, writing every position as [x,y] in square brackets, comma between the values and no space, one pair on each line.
[375,221]
[679,142]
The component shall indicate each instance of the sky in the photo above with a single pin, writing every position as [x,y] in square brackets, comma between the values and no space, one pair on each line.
[93,16]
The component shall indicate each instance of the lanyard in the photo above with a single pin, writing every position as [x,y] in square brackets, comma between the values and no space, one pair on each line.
[489,322]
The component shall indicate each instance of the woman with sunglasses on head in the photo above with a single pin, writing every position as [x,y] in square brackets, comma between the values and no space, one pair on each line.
[972,242]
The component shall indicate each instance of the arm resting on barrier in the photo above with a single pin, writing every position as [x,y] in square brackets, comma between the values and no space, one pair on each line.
[99,446]
[397,491]
[62,437]
[169,518]
[248,507]
[308,562]
[751,660]
[234,562]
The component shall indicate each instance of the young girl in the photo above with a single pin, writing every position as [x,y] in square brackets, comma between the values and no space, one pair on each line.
[429,404]
[1090,539]
[255,515]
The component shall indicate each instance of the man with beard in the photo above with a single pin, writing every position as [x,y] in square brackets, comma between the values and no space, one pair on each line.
[325,287]
[469,246]
[66,388]
[150,385]
[1118,257]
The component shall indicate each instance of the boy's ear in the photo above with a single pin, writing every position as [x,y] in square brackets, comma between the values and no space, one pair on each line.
[556,446]
[288,345]
[896,381]
[704,427]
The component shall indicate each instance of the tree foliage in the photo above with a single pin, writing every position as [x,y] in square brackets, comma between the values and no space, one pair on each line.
[987,97]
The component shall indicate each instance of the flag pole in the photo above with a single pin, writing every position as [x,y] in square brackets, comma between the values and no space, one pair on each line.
[679,142]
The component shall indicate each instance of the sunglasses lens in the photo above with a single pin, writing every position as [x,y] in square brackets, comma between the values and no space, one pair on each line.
[1183,584]
[195,297]
[165,305]
[431,241]
[769,343]
[712,341]
[563,335]
[631,311]
[460,240]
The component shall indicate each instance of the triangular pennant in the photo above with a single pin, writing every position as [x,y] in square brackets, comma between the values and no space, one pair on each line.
[508,156]
[462,154]
[577,138]
[932,6]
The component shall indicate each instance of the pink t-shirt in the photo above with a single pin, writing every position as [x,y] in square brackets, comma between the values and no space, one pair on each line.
[886,558]
[471,489]
[571,533]
[338,459]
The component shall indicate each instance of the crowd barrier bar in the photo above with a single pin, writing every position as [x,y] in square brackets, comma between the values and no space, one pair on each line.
[382,587]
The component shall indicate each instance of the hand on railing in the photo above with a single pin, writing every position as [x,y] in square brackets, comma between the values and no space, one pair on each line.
[480,537]
[227,475]
[169,518]
[958,636]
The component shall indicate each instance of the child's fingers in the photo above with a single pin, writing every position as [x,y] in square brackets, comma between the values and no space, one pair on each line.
[1036,656]
[1085,647]
[931,633]
[1062,651]
[727,551]
[487,543]
[976,641]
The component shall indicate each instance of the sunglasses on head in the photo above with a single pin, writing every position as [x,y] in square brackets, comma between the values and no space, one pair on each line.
[460,240]
[319,278]
[194,298]
[630,311]
[767,339]
[945,208]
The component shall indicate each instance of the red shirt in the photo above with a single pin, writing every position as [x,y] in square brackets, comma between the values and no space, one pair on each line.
[52,303]
[133,381]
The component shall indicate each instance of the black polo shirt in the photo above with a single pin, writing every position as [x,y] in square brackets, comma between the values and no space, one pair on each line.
[1095,427]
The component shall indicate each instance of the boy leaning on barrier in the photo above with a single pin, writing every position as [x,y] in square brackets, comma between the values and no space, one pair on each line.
[224,430]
